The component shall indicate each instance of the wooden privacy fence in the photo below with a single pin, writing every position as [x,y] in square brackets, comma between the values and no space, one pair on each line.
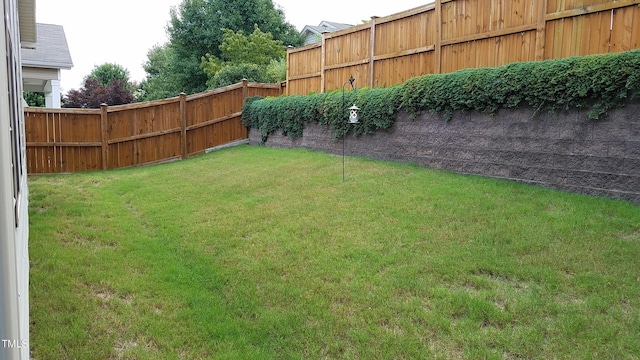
[69,140]
[449,35]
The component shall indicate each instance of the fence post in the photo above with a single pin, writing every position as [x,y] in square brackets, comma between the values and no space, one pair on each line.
[245,91]
[438,32]
[372,48]
[541,30]
[245,94]
[288,69]
[104,135]
[323,61]
[183,125]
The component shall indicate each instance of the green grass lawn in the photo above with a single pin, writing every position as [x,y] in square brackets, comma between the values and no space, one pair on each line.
[259,253]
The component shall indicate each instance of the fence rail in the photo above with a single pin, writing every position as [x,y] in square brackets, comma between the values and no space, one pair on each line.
[450,35]
[70,140]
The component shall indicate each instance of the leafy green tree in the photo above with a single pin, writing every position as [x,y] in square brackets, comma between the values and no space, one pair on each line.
[195,29]
[245,56]
[257,48]
[109,72]
[277,70]
[35,99]
[233,74]
[159,83]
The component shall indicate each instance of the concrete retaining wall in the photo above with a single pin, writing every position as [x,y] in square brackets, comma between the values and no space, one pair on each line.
[565,151]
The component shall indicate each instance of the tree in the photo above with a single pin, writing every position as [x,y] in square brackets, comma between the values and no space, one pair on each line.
[257,48]
[254,57]
[35,99]
[159,83]
[233,74]
[107,83]
[277,70]
[195,29]
[108,72]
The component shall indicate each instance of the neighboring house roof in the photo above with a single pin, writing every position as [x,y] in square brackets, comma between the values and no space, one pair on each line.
[51,50]
[312,34]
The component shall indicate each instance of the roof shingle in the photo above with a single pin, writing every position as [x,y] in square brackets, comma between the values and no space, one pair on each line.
[51,49]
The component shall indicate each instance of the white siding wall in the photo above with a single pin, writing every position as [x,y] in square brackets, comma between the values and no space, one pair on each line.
[311,38]
[14,258]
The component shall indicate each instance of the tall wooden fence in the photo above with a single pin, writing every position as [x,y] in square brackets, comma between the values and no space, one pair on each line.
[449,35]
[69,140]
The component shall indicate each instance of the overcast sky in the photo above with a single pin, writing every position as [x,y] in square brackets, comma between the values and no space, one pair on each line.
[123,31]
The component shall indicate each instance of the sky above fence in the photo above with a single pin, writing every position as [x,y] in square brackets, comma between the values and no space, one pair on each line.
[123,31]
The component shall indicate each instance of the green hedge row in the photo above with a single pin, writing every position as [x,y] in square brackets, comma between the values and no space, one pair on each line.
[597,82]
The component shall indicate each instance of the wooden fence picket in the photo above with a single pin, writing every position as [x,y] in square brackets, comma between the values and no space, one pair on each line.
[449,35]
[70,140]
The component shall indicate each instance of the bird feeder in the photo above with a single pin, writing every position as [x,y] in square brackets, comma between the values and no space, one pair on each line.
[353,114]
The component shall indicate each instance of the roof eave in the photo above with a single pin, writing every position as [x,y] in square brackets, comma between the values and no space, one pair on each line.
[48,65]
[309,29]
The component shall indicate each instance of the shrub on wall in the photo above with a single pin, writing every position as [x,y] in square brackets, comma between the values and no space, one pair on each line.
[596,82]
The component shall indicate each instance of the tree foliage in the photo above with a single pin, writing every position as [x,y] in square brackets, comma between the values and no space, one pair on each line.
[159,83]
[256,57]
[109,72]
[233,74]
[256,48]
[106,84]
[93,94]
[196,29]
[277,70]
[34,99]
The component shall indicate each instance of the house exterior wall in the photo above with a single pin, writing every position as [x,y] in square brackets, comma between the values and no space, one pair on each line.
[311,38]
[14,263]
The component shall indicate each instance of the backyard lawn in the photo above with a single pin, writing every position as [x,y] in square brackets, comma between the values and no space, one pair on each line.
[260,253]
